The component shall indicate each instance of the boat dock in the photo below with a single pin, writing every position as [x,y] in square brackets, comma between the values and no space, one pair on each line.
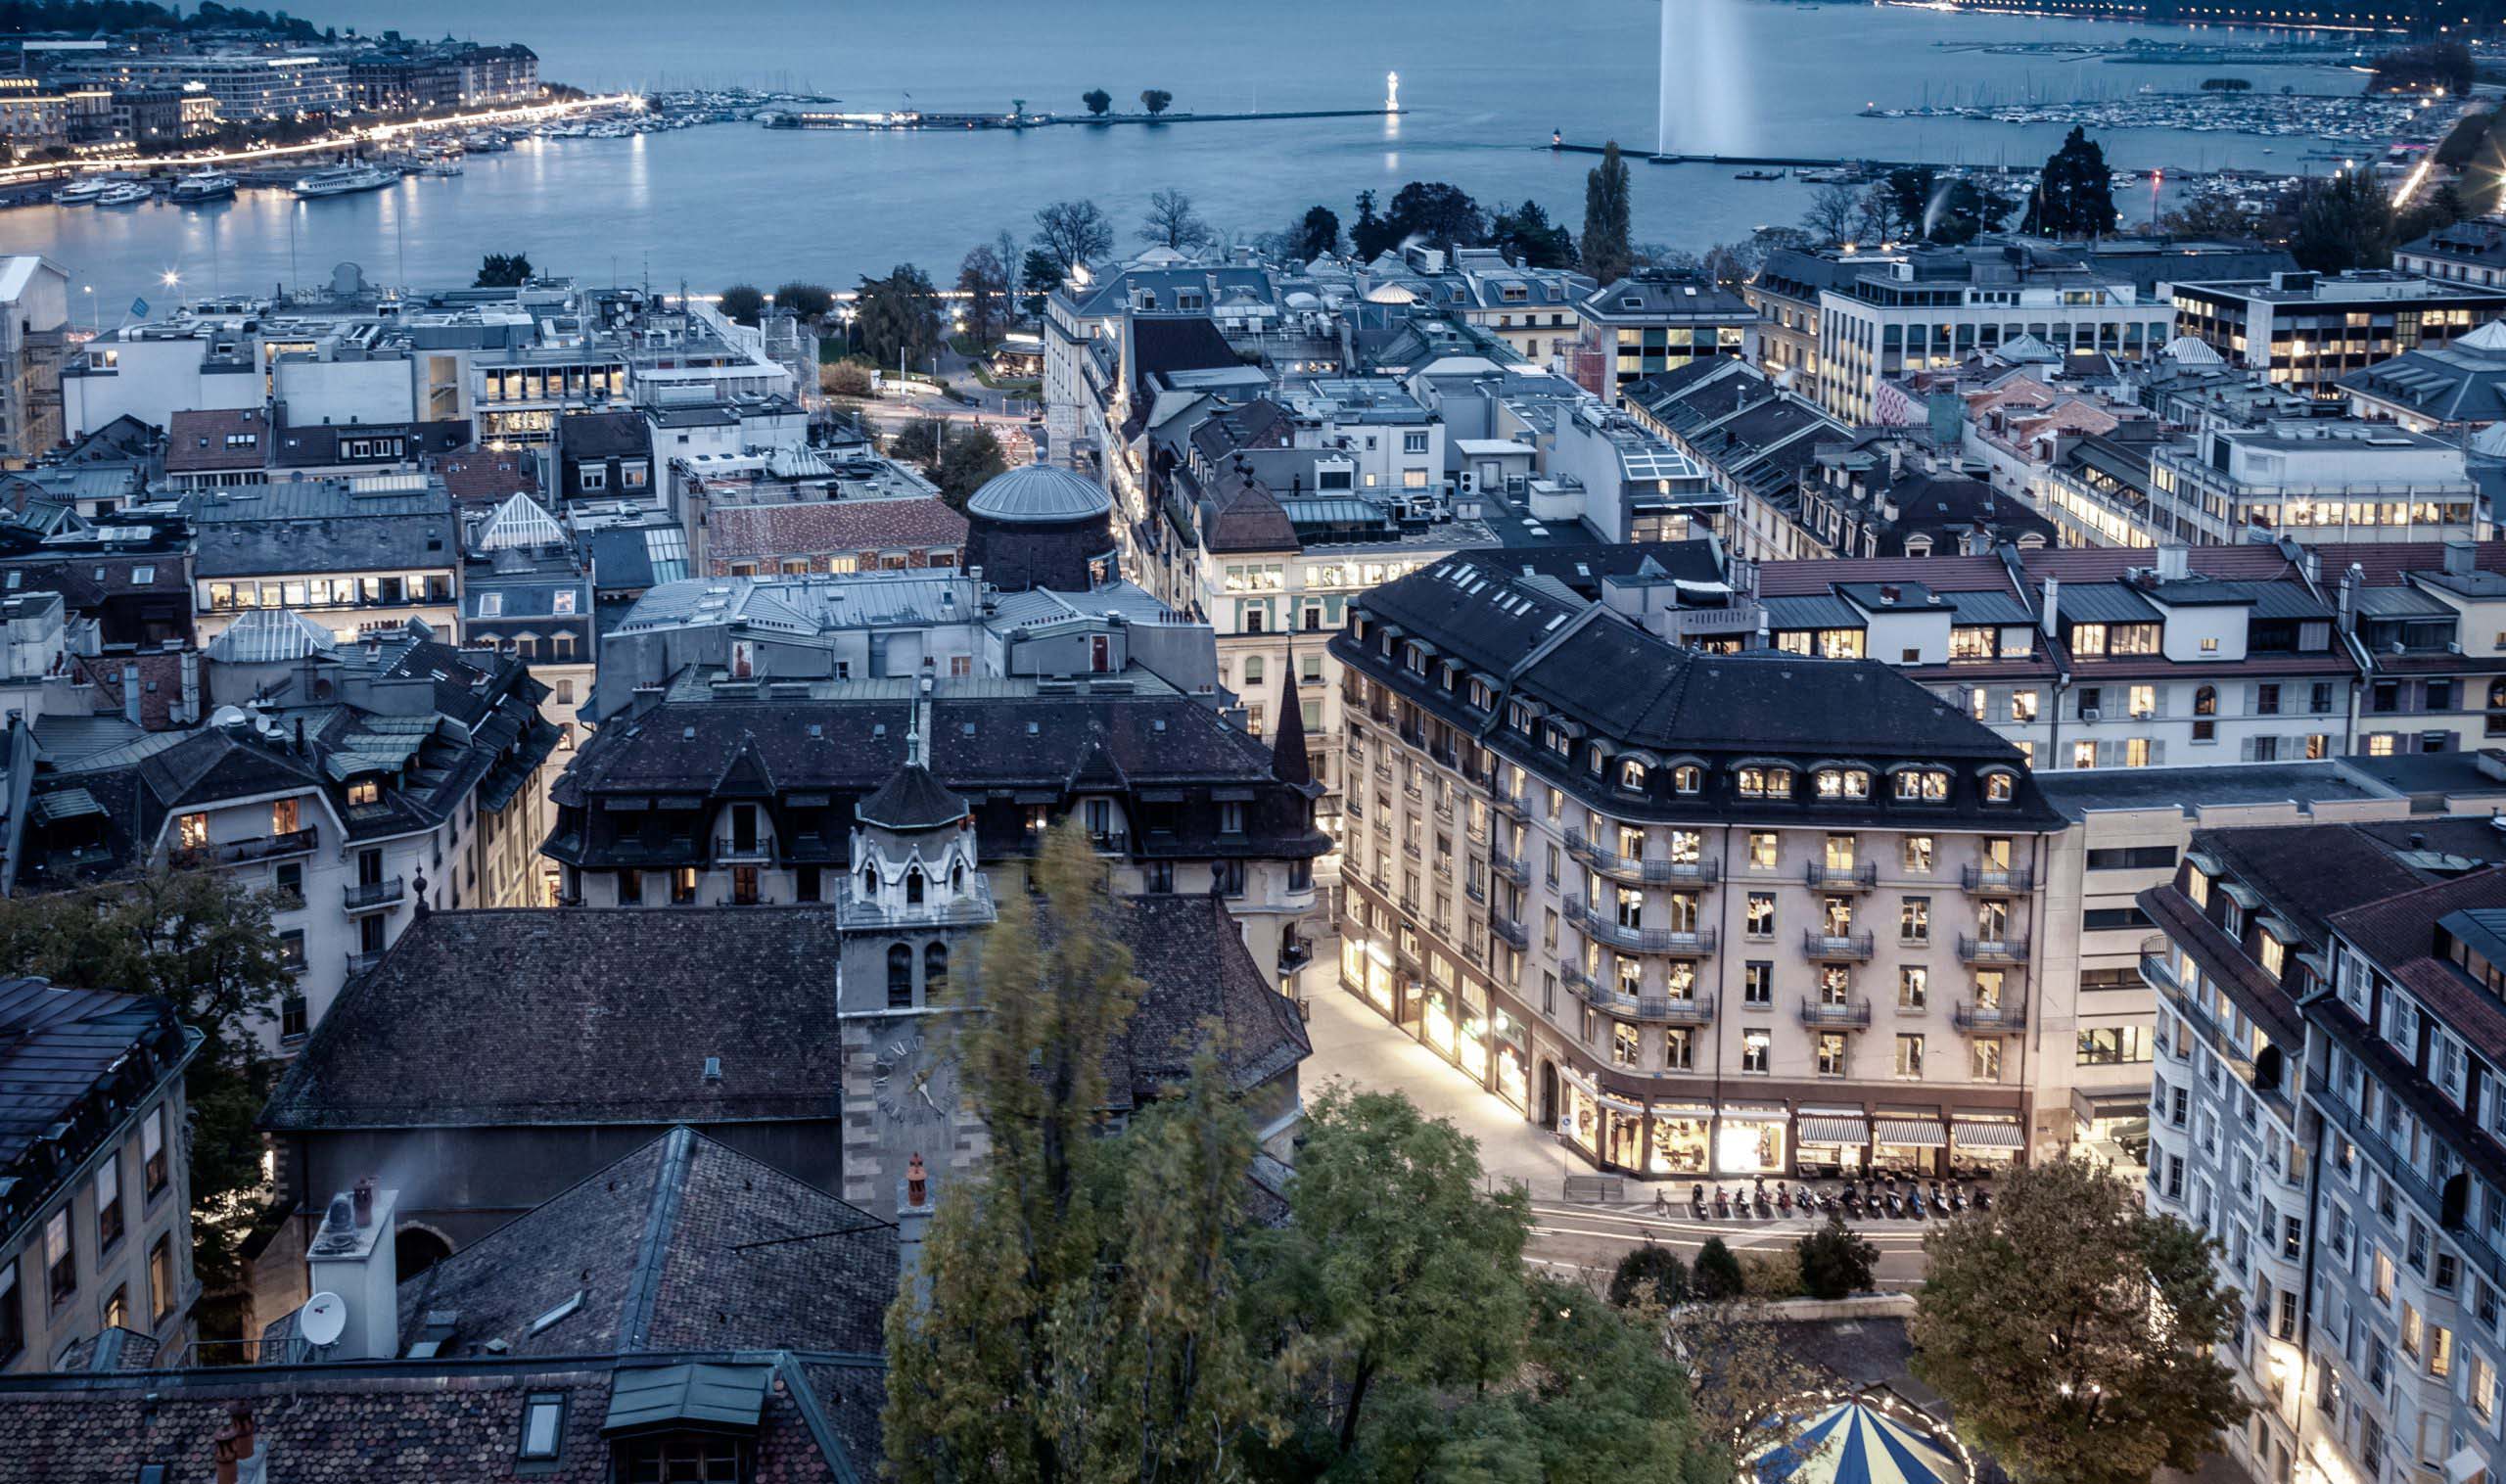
[829,119]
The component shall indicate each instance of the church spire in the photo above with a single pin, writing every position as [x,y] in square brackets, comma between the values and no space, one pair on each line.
[1288,757]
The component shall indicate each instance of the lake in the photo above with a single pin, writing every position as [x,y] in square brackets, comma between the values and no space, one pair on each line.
[1486,82]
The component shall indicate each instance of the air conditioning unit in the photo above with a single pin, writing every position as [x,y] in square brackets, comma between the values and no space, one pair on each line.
[2091,714]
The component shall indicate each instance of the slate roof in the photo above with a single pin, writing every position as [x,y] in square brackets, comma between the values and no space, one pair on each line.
[910,800]
[72,1060]
[604,1017]
[197,441]
[1189,954]
[2398,933]
[320,526]
[604,436]
[841,526]
[312,446]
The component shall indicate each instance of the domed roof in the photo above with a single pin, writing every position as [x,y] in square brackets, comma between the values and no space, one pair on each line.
[1038,494]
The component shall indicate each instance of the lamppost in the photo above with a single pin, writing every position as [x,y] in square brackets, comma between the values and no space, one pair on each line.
[90,291]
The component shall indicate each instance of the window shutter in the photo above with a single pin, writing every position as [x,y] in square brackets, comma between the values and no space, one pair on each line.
[2245,750]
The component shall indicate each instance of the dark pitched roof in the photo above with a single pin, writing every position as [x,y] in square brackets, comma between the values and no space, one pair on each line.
[70,1060]
[2399,933]
[910,800]
[621,1010]
[478,474]
[1162,344]
[216,439]
[684,1244]
[604,434]
[1191,958]
[736,532]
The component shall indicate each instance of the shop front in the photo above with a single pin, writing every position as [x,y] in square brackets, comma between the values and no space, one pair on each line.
[1512,1051]
[1367,971]
[1683,1140]
[1749,1140]
[1470,1045]
[1908,1143]
[1990,1144]
[2112,1125]
[1608,1129]
[1830,1142]
[1436,1024]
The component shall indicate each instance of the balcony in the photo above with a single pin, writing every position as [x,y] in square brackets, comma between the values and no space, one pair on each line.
[359,963]
[1294,954]
[366,895]
[1637,940]
[1847,1014]
[1843,878]
[1662,1009]
[757,849]
[1652,871]
[1991,950]
[294,842]
[1476,891]
[1836,948]
[1991,1019]
[1508,929]
[1508,867]
[1508,804]
[1998,881]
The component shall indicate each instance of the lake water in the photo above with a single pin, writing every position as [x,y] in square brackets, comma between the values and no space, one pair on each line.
[1487,80]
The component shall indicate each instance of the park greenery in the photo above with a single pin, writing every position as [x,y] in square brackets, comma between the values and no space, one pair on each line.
[503,270]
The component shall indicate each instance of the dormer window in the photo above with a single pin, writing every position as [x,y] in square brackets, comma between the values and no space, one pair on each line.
[2001,786]
[1687,778]
[1922,785]
[1631,776]
[543,1426]
[1599,758]
[1763,782]
[364,791]
[1842,783]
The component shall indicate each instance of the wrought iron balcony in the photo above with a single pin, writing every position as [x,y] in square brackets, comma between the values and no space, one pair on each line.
[294,842]
[1843,878]
[1603,928]
[1648,869]
[365,896]
[1976,1015]
[1508,867]
[1511,930]
[1833,947]
[1973,949]
[756,849]
[1997,881]
[1851,1014]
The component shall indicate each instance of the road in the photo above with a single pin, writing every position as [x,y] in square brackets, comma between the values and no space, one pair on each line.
[1354,1043]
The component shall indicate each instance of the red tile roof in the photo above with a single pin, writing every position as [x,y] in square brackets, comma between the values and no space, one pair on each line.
[2400,933]
[198,442]
[837,527]
[496,475]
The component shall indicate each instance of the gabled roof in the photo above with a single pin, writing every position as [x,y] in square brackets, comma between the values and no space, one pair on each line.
[520,522]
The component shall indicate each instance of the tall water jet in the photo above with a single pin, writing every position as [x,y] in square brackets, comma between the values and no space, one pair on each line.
[1699,103]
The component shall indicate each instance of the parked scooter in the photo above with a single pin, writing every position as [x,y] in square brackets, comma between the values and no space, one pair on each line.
[1783,1199]
[1957,1198]
[1722,1203]
[1766,1212]
[1895,1207]
[1697,1201]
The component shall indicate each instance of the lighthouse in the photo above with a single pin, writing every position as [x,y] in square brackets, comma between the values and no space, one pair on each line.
[1392,92]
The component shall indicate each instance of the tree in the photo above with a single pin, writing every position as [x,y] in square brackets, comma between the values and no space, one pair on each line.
[2074,197]
[2436,209]
[1649,1272]
[2214,214]
[1155,101]
[1074,232]
[2344,222]
[967,461]
[1395,1273]
[979,1373]
[811,301]
[1608,217]
[1746,1385]
[2073,1333]
[503,270]
[1438,214]
[1601,1397]
[1837,1260]
[1171,224]
[1097,101]
[202,942]
[1315,235]
[1909,192]
[1965,212]
[1372,234]
[1717,1274]
[742,304]
[983,279]
[897,317]
[1832,212]
[1530,238]
[1039,275]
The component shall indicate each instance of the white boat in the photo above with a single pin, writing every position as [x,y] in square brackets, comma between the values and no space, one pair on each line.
[79,192]
[204,185]
[343,181]
[442,164]
[129,193]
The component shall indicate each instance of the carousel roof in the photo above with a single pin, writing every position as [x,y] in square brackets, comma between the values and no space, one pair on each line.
[1855,1443]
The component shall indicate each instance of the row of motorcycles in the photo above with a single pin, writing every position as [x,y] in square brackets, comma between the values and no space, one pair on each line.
[1872,1197]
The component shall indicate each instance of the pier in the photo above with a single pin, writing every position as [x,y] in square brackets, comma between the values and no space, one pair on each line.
[916,119]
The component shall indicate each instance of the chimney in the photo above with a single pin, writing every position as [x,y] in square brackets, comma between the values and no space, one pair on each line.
[354,1259]
[233,1451]
[914,1225]
[2462,558]
[2052,617]
[130,693]
[2350,582]
[2174,562]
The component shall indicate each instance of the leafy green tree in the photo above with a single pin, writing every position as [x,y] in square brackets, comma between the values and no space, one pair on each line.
[1155,100]
[742,304]
[1395,1275]
[2344,222]
[1371,234]
[1601,1398]
[1315,233]
[1097,101]
[1039,275]
[503,270]
[202,942]
[983,279]
[1530,238]
[1744,1383]
[1074,232]
[1908,192]
[1649,1272]
[1967,211]
[968,460]
[2073,1333]
[1837,1260]
[897,317]
[1609,229]
[2074,197]
[1717,1274]
[1172,222]
[811,301]
[1438,214]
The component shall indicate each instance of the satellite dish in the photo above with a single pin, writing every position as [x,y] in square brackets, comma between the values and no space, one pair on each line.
[322,1320]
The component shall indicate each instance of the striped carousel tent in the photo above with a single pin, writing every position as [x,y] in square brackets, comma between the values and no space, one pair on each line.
[1854,1443]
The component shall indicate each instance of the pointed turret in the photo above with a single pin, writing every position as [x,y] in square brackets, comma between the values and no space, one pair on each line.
[1288,757]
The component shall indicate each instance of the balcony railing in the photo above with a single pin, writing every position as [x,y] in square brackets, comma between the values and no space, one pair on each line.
[1508,867]
[1652,870]
[757,848]
[1510,804]
[1294,954]
[1604,928]
[1835,947]
[1843,878]
[1973,949]
[1508,929]
[1848,1014]
[1976,1015]
[1665,1009]
[294,842]
[366,895]
[1998,881]
[359,963]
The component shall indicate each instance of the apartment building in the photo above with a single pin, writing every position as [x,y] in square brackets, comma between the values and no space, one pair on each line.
[372,552]
[2451,389]
[95,1199]
[34,318]
[2307,331]
[1750,915]
[247,85]
[1651,322]
[1756,441]
[2470,251]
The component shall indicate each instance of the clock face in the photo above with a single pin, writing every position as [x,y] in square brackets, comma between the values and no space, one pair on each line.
[915,1084]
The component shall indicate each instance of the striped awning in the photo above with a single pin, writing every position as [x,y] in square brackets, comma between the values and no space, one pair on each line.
[1832,1131]
[1913,1132]
[1974,1135]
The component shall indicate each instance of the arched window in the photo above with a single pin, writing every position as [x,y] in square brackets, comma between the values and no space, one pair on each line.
[2205,701]
[869,880]
[935,971]
[1252,670]
[1631,775]
[913,886]
[900,977]
[957,877]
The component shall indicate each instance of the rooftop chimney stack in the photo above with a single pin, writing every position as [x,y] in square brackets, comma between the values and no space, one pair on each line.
[354,1257]
[2052,617]
[235,1448]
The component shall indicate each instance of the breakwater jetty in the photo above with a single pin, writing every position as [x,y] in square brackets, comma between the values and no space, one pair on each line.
[912,119]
